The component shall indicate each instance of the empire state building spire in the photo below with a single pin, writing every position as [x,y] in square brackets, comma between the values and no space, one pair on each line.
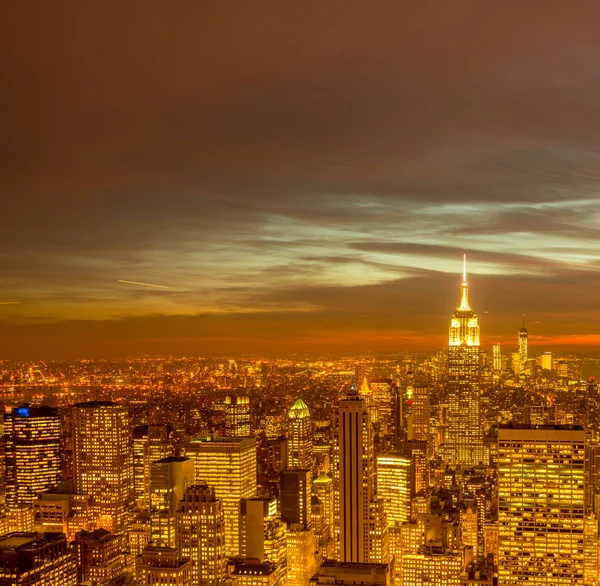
[464,288]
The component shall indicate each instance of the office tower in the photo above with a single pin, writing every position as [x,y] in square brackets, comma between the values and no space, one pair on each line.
[393,486]
[433,569]
[355,483]
[420,412]
[229,465]
[301,564]
[169,479]
[100,557]
[201,534]
[295,492]
[30,559]
[32,453]
[497,357]
[262,533]
[150,443]
[347,574]
[237,415]
[464,441]
[102,460]
[138,537]
[299,445]
[163,566]
[416,451]
[540,504]
[523,346]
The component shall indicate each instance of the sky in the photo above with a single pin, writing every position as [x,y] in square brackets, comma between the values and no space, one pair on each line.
[302,176]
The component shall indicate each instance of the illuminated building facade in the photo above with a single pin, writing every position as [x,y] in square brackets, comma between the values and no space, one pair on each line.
[32,453]
[523,347]
[352,574]
[420,412]
[540,504]
[150,443]
[301,564]
[254,573]
[30,559]
[229,465]
[497,357]
[355,484]
[393,486]
[237,415]
[299,446]
[100,557]
[433,569]
[162,566]
[169,479]
[464,440]
[201,534]
[263,536]
[102,460]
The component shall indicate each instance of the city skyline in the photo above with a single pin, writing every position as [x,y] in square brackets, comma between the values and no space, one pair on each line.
[296,190]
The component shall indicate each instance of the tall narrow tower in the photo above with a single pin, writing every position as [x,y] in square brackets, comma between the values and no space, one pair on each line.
[523,346]
[464,442]
[299,453]
[362,523]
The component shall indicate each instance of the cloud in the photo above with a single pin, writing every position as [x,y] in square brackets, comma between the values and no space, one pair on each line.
[278,158]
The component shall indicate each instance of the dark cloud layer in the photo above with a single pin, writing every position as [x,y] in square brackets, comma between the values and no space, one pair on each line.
[307,162]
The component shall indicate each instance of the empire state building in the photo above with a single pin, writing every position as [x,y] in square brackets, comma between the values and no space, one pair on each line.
[464,440]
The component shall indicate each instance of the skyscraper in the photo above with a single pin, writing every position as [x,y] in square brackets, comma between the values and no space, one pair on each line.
[540,504]
[420,412]
[32,453]
[102,460]
[237,415]
[393,486]
[523,347]
[229,465]
[464,440]
[169,478]
[299,449]
[201,534]
[497,357]
[355,483]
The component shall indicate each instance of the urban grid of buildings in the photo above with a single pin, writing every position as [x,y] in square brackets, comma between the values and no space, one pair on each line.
[461,468]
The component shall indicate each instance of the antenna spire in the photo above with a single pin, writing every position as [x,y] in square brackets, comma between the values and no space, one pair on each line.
[464,266]
[523,321]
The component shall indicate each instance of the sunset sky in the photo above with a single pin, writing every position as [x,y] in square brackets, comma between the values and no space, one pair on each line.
[303,176]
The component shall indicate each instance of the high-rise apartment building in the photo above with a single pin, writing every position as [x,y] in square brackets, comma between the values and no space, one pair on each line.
[299,445]
[464,439]
[102,460]
[229,465]
[355,484]
[32,452]
[540,504]
[420,411]
[431,568]
[201,534]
